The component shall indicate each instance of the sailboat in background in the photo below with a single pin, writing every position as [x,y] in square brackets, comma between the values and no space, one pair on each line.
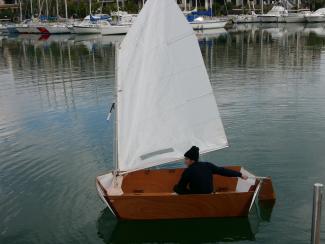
[58,27]
[203,20]
[317,16]
[100,24]
[161,80]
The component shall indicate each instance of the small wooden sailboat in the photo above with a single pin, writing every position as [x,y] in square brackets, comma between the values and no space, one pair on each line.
[164,105]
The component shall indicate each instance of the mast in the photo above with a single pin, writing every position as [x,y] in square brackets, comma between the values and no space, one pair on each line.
[39,7]
[211,7]
[90,7]
[66,9]
[118,11]
[206,4]
[57,8]
[31,9]
[242,6]
[116,109]
[20,12]
[47,9]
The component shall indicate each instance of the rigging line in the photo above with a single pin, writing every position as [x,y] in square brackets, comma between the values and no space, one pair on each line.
[110,111]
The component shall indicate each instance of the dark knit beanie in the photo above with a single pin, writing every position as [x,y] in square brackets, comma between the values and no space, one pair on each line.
[193,153]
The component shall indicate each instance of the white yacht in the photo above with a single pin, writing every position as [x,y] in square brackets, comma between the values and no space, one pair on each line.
[124,18]
[296,17]
[91,24]
[203,20]
[54,28]
[201,23]
[117,29]
[317,16]
[99,24]
[276,15]
[28,26]
[246,18]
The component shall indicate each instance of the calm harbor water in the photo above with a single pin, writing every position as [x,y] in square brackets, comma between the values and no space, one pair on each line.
[269,82]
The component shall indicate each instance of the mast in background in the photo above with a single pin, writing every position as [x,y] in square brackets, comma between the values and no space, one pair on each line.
[39,8]
[20,12]
[66,9]
[118,11]
[57,8]
[31,9]
[211,8]
[47,9]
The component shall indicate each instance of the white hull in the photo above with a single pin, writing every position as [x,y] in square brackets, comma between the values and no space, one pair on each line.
[83,30]
[268,19]
[27,30]
[57,29]
[208,24]
[271,19]
[115,30]
[294,19]
[311,19]
[246,19]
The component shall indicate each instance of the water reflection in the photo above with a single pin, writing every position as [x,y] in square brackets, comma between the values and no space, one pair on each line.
[214,230]
[176,231]
[52,63]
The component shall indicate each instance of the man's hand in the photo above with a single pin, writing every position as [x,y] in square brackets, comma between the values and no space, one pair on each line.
[244,177]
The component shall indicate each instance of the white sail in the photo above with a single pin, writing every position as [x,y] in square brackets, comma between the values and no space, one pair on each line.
[165,100]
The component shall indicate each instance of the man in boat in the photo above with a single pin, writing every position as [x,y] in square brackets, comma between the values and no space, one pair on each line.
[197,178]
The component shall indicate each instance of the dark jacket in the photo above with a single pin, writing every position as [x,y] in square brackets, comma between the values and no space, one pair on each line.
[198,178]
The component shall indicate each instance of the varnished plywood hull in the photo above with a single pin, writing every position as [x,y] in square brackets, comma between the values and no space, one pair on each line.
[148,195]
[181,206]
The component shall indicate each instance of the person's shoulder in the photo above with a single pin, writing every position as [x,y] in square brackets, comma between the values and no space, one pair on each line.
[208,165]
[201,164]
[205,163]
